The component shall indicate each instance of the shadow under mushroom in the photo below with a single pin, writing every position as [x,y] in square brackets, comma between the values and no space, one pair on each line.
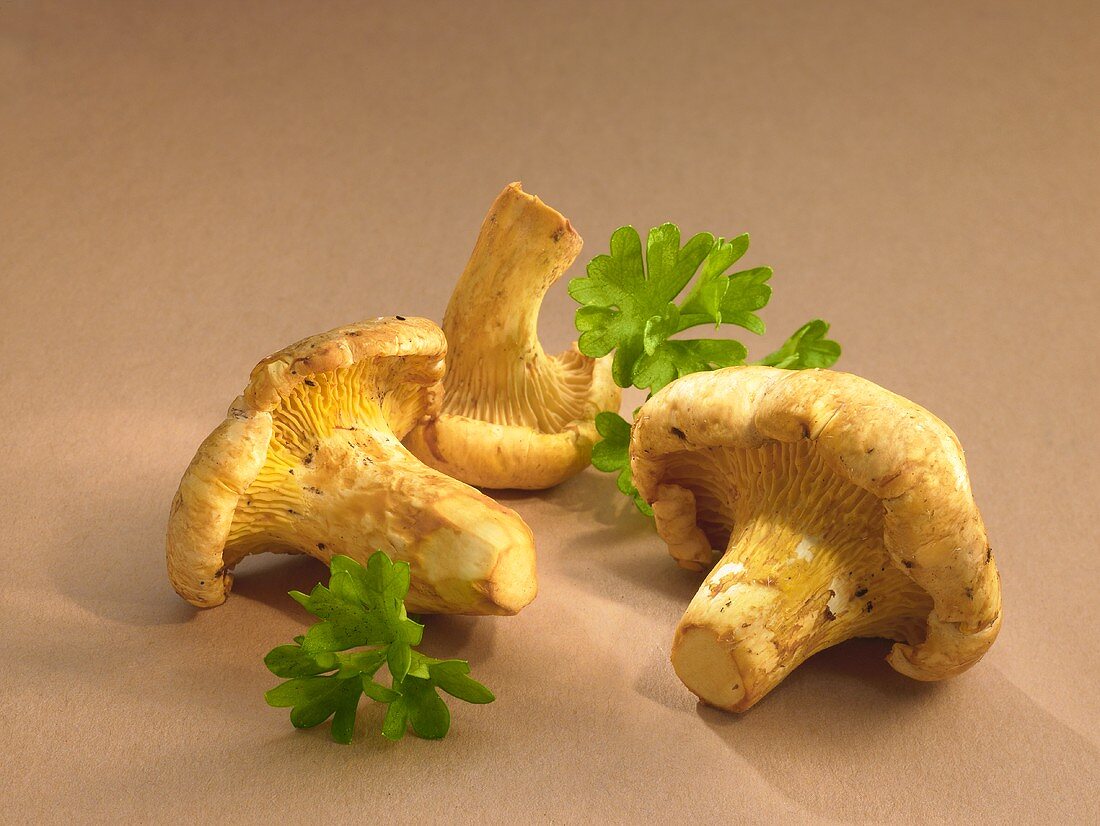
[870,731]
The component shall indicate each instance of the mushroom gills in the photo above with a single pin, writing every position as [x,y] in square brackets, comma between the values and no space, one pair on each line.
[513,416]
[544,394]
[497,370]
[337,480]
[804,568]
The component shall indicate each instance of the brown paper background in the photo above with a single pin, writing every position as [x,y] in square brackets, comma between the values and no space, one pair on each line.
[185,187]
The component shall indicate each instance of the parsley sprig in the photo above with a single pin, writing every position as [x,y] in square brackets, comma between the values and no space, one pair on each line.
[629,307]
[612,455]
[363,607]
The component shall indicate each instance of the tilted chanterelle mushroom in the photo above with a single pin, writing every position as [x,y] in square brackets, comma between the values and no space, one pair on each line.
[309,460]
[512,416]
[840,510]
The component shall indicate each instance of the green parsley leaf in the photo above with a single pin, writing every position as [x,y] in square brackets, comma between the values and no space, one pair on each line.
[720,299]
[612,454]
[428,714]
[363,607]
[806,348]
[399,658]
[396,720]
[365,663]
[673,359]
[378,692]
[314,699]
[629,308]
[621,298]
[453,677]
[346,624]
[293,661]
[347,704]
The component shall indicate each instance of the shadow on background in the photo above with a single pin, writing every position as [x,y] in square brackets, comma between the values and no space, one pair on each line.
[854,716]
[865,736]
[126,580]
[590,493]
[113,552]
[269,578]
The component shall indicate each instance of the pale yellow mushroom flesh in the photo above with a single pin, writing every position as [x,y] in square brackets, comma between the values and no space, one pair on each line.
[838,510]
[331,476]
[803,569]
[513,416]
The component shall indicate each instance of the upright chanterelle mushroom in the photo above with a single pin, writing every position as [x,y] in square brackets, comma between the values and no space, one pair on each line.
[512,416]
[840,510]
[309,460]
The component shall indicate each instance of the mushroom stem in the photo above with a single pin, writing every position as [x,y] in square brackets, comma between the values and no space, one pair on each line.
[497,370]
[512,416]
[524,247]
[780,595]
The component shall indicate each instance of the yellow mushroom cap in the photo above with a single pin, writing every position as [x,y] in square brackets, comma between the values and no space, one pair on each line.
[512,416]
[309,460]
[839,509]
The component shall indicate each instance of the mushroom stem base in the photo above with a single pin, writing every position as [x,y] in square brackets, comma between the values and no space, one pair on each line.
[779,596]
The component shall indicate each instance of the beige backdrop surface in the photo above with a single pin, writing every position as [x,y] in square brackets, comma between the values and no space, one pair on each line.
[185,187]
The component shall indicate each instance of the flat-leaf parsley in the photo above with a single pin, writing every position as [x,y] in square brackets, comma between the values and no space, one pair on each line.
[629,308]
[363,608]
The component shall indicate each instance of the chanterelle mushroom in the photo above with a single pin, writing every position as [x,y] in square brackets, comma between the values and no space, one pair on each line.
[840,509]
[309,460]
[514,417]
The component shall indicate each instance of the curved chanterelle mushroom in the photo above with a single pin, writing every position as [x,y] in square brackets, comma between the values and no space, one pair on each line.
[512,416]
[309,460]
[840,510]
